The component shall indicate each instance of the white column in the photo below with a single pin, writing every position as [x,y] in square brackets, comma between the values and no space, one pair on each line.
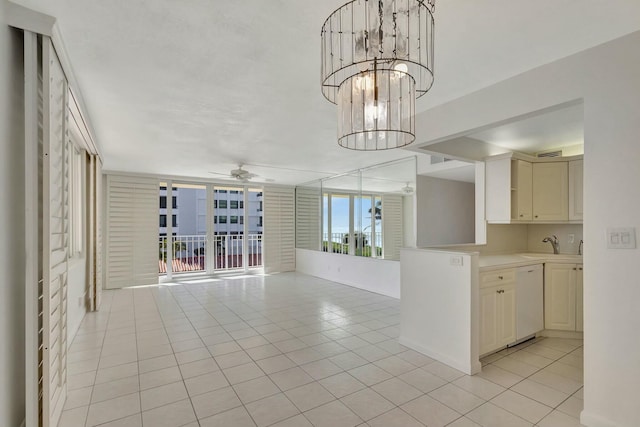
[169,230]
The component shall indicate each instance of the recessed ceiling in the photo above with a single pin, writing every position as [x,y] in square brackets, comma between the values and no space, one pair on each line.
[544,132]
[191,87]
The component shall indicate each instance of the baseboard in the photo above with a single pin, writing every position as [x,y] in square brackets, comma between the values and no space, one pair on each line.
[468,368]
[550,333]
[591,420]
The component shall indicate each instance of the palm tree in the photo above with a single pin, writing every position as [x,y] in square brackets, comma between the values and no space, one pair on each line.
[378,210]
[177,247]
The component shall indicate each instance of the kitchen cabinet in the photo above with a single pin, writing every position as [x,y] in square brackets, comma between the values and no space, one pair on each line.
[576,172]
[521,190]
[563,296]
[551,191]
[497,310]
[526,189]
[508,188]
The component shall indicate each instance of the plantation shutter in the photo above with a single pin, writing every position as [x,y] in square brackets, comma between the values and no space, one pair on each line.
[94,239]
[98,252]
[279,229]
[308,218]
[55,231]
[132,231]
[393,235]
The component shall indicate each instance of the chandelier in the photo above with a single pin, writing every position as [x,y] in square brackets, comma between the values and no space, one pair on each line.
[377,58]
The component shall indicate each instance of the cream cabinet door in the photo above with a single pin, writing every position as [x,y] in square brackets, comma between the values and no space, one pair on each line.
[550,191]
[497,317]
[489,319]
[507,314]
[579,300]
[521,197]
[576,168]
[560,297]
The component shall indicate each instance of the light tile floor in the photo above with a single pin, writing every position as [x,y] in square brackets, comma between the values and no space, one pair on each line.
[294,350]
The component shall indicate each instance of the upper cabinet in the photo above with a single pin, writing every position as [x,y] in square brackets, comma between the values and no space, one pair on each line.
[551,191]
[576,168]
[522,189]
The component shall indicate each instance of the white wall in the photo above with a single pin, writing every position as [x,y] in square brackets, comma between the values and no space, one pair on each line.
[409,220]
[77,288]
[439,306]
[446,212]
[606,79]
[375,275]
[12,302]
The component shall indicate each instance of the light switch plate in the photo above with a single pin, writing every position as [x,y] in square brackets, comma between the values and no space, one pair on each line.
[621,238]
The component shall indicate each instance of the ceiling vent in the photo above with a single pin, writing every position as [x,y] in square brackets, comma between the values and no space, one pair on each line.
[555,153]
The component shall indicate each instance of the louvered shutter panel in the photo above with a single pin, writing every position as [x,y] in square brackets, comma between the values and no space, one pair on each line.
[279,229]
[132,231]
[308,218]
[55,244]
[98,258]
[393,234]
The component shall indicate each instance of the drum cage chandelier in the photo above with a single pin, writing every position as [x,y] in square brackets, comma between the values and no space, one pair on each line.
[377,58]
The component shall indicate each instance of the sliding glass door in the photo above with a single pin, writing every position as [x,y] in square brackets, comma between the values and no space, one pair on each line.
[208,228]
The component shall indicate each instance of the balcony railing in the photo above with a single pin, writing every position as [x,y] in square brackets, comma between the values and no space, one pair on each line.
[339,243]
[189,252]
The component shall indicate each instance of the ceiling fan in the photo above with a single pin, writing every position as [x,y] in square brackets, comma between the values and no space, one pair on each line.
[239,174]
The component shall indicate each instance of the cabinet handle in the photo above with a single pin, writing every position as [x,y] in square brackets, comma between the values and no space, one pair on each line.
[574,269]
[500,277]
[521,215]
[536,216]
[580,268]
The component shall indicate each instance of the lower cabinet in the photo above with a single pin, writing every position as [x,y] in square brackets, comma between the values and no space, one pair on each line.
[497,311]
[563,297]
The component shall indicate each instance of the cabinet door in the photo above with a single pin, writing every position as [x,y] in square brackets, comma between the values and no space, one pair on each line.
[560,296]
[507,315]
[498,190]
[576,169]
[489,319]
[550,191]
[521,192]
[579,300]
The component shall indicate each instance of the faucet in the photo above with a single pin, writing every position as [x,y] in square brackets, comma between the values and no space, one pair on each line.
[580,247]
[554,242]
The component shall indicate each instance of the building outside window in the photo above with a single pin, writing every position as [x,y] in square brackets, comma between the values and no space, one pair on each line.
[233,204]
[222,204]
[233,219]
[222,220]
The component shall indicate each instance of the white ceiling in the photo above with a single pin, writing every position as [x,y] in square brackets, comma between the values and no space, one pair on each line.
[543,132]
[185,88]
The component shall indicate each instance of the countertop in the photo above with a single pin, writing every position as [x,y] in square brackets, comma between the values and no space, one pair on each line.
[494,262]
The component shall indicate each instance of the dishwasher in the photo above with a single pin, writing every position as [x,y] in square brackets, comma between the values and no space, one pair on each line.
[529,301]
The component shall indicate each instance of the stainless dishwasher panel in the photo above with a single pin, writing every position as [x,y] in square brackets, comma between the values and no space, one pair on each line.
[529,301]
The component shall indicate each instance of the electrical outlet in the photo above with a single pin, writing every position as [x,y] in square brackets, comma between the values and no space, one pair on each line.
[456,260]
[572,238]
